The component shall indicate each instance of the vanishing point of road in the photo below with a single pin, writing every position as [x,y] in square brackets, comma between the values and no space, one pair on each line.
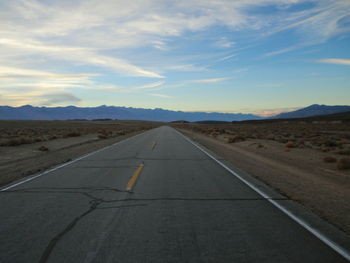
[152,198]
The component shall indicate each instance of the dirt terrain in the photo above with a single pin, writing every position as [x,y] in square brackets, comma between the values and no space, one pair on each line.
[305,161]
[28,147]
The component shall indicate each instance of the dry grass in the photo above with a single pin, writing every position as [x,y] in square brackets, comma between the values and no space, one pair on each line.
[324,136]
[14,133]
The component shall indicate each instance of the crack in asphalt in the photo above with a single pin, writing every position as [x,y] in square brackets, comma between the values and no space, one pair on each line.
[96,202]
[57,190]
[94,205]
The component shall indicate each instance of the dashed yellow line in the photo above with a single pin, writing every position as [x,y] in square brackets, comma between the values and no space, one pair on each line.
[153,145]
[134,177]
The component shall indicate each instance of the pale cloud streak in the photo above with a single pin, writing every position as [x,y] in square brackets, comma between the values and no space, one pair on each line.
[160,95]
[339,61]
[76,54]
[213,80]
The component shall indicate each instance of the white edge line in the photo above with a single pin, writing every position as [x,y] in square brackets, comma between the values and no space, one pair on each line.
[65,164]
[340,250]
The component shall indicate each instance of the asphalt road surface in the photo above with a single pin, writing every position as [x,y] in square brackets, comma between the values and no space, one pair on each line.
[152,198]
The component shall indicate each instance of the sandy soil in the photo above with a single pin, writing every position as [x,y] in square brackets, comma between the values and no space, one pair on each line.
[298,173]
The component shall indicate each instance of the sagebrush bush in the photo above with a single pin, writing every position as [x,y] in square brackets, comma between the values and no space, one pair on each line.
[290,144]
[43,148]
[73,134]
[329,159]
[343,163]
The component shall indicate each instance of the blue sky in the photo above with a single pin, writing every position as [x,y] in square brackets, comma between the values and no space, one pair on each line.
[252,56]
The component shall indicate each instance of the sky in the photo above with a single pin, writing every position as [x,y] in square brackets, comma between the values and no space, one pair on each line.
[249,56]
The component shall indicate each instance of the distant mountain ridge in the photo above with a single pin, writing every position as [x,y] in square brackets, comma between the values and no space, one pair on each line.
[28,112]
[312,110]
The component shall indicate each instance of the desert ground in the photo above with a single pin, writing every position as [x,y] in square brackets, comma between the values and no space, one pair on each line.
[28,147]
[306,161]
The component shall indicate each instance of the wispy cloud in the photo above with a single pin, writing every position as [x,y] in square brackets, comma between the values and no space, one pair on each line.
[223,42]
[281,51]
[149,86]
[12,72]
[226,58]
[187,67]
[160,95]
[339,61]
[213,80]
[58,98]
[76,54]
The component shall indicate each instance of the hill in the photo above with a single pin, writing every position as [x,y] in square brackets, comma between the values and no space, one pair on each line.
[313,110]
[28,112]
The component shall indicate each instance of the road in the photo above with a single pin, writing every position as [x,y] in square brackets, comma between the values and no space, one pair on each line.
[181,206]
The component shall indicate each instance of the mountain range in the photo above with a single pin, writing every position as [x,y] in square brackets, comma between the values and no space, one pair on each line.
[312,110]
[28,112]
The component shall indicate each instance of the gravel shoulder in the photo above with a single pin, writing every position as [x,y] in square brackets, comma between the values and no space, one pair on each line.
[299,174]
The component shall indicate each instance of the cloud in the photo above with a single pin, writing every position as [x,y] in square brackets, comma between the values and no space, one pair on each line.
[272,112]
[339,61]
[85,31]
[76,54]
[149,86]
[14,77]
[39,98]
[12,72]
[214,80]
[226,58]
[57,98]
[160,95]
[187,67]
[223,42]
[114,36]
[281,51]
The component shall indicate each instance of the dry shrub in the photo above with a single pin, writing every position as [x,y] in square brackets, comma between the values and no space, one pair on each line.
[325,150]
[330,143]
[344,152]
[122,132]
[43,148]
[290,144]
[343,163]
[53,137]
[25,140]
[214,134]
[13,142]
[234,139]
[329,159]
[103,134]
[73,134]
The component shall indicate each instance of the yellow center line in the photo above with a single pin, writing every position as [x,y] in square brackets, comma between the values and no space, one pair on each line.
[134,177]
[153,145]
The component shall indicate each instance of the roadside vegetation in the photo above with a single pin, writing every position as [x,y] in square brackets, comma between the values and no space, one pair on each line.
[331,137]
